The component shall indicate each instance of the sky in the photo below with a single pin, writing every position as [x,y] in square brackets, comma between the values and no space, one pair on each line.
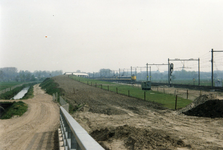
[88,35]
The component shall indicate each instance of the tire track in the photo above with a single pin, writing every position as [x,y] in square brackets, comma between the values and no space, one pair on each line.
[33,130]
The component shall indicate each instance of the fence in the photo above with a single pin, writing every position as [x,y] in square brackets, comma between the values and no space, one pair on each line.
[9,89]
[12,88]
[61,101]
[73,136]
[184,93]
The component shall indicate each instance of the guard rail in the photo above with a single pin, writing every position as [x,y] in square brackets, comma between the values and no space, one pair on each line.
[74,137]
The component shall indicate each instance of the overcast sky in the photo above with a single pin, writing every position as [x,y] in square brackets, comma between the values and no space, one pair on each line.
[88,35]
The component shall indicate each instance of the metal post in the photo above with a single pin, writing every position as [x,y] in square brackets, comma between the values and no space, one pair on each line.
[212,67]
[168,71]
[150,72]
[199,72]
[135,71]
[176,103]
[73,142]
[147,71]
[187,94]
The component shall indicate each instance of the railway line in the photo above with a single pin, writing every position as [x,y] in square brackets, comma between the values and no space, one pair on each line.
[132,80]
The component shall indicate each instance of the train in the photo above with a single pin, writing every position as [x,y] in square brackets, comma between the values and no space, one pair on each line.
[117,79]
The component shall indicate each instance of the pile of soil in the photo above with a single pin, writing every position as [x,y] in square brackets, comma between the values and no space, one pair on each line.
[210,108]
[204,106]
[198,101]
[137,138]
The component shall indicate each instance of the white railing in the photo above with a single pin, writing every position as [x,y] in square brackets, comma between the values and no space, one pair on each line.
[74,137]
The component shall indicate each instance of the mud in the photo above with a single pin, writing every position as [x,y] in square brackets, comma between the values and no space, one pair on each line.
[136,138]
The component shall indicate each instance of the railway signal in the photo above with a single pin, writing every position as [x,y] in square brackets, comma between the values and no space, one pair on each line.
[171,70]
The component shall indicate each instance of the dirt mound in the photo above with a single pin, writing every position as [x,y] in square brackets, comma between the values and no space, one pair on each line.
[204,106]
[198,101]
[210,108]
[137,138]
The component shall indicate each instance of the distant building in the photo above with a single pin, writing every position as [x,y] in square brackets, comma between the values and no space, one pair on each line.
[79,74]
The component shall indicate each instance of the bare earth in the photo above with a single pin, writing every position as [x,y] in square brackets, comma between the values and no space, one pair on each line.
[36,129]
[121,122]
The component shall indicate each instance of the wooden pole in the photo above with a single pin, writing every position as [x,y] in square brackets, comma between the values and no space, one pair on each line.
[144,95]
[187,94]
[176,103]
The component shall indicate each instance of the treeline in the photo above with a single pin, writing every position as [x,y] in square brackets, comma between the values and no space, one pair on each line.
[10,74]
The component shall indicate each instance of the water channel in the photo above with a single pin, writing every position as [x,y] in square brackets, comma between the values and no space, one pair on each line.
[21,93]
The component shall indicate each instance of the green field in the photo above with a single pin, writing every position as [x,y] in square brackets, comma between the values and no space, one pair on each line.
[167,100]
[188,82]
[5,85]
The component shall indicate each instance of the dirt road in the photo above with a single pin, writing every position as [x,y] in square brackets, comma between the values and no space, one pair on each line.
[121,122]
[34,130]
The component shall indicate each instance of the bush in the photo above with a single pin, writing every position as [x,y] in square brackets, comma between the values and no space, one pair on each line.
[51,87]
[16,109]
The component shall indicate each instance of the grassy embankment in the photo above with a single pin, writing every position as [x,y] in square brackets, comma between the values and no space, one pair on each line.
[167,100]
[16,109]
[29,93]
[51,88]
[10,94]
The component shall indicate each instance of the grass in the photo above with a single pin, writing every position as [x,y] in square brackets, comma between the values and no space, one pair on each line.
[51,87]
[166,100]
[5,85]
[29,93]
[8,95]
[16,109]
[187,81]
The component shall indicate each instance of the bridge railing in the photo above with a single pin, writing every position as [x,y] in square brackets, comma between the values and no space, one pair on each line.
[74,136]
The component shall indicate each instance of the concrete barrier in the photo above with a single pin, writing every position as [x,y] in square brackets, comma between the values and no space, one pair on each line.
[73,136]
